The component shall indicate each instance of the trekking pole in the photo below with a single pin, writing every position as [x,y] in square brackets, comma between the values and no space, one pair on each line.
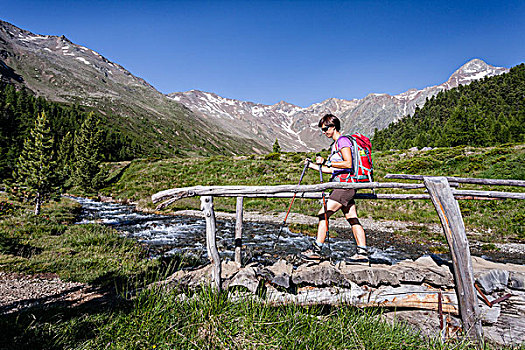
[325,210]
[290,207]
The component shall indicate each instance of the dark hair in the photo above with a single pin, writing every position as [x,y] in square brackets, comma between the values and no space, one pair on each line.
[330,120]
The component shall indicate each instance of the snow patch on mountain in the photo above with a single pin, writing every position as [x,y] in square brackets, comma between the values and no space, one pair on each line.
[83,60]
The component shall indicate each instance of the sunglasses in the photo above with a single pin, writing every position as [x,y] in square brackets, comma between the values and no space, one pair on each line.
[325,129]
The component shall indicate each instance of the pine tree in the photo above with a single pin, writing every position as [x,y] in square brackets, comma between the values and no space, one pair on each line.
[276,147]
[36,166]
[88,156]
[65,157]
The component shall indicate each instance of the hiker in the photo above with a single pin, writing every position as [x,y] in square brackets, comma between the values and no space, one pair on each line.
[339,164]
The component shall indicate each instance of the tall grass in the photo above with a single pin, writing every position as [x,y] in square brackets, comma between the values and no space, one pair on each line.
[208,320]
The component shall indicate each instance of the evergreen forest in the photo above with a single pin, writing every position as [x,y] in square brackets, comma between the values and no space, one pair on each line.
[487,112]
[19,111]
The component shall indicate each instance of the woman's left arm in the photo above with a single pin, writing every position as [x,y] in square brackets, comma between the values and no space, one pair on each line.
[347,159]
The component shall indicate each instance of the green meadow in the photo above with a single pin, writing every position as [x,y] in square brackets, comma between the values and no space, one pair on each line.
[135,317]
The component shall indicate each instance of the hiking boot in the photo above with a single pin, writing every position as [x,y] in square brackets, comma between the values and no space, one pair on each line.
[313,254]
[360,258]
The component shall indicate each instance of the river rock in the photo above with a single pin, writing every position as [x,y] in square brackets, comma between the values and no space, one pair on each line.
[424,269]
[373,276]
[322,274]
[279,274]
[492,281]
[517,280]
[246,278]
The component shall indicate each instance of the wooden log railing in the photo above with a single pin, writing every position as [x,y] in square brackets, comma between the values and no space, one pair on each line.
[466,180]
[439,191]
[308,191]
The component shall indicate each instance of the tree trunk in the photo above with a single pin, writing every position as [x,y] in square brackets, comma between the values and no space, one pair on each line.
[38,203]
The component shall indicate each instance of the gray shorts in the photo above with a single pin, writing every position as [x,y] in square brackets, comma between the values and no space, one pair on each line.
[343,196]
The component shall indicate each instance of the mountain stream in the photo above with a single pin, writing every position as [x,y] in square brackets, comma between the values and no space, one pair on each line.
[178,234]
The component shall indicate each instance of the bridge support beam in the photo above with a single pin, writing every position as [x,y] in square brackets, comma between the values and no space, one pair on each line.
[454,228]
[238,230]
[211,240]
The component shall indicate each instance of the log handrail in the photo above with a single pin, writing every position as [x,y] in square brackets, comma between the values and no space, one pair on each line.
[312,191]
[184,192]
[466,180]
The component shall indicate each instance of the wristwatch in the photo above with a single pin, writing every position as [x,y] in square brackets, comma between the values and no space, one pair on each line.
[328,163]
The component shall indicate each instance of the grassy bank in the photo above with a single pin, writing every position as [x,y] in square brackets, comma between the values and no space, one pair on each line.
[496,221]
[51,243]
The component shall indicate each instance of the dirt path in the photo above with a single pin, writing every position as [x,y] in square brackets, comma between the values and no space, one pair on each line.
[18,291]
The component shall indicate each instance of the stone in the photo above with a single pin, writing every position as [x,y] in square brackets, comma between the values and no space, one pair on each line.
[492,280]
[510,326]
[425,321]
[480,264]
[229,269]
[424,149]
[489,315]
[322,274]
[278,274]
[372,276]
[425,270]
[517,280]
[247,278]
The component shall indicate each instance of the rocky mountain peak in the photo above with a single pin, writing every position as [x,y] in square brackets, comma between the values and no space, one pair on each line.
[473,70]
[472,66]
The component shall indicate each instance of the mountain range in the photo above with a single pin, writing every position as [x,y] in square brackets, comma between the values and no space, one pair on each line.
[296,127]
[57,69]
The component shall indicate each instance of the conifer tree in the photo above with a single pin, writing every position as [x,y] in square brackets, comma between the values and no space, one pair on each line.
[66,157]
[36,166]
[88,156]
[276,147]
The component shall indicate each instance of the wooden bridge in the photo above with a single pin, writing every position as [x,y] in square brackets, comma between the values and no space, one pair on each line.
[442,191]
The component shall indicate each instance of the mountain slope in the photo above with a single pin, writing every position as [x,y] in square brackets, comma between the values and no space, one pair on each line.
[296,127]
[379,110]
[56,68]
[484,113]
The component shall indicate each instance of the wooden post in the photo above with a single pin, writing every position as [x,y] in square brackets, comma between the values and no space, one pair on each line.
[211,243]
[238,231]
[454,228]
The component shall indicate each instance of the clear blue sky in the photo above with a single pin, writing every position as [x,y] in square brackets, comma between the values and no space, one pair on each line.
[298,51]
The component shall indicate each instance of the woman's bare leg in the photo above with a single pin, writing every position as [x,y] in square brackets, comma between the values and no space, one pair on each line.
[350,213]
[331,207]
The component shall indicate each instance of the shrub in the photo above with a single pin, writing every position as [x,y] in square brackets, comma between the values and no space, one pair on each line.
[273,156]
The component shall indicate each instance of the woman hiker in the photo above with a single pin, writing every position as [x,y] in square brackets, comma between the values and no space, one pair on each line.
[339,164]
